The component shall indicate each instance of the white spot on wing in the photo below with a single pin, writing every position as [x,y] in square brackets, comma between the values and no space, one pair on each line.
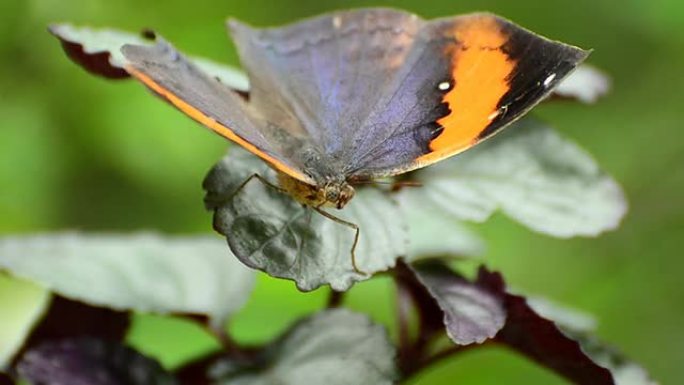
[337,22]
[444,86]
[549,79]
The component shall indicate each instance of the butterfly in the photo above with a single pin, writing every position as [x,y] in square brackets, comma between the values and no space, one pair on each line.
[349,97]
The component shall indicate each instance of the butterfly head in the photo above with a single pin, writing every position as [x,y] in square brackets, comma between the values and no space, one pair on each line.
[337,193]
[328,193]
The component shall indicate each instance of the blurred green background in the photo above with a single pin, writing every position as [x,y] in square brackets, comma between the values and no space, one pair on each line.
[78,152]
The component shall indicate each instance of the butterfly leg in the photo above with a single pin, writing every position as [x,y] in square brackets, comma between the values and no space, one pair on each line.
[260,179]
[357,232]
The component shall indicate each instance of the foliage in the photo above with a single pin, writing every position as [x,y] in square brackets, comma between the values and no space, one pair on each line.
[529,173]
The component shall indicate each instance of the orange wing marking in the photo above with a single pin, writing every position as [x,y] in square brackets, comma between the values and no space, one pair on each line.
[217,127]
[480,70]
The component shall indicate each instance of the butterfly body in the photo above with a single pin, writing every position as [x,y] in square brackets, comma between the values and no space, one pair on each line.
[331,193]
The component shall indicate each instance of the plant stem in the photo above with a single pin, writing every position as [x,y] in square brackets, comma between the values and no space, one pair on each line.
[403,311]
[335,299]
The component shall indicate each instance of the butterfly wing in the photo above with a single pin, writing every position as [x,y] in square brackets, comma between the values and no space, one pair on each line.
[380,92]
[173,77]
[465,79]
[321,76]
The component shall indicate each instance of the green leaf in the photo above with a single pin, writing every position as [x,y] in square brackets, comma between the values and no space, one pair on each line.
[99,51]
[336,347]
[563,316]
[530,173]
[270,231]
[435,233]
[22,304]
[143,272]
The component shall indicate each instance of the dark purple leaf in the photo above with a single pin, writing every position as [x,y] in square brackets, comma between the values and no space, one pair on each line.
[198,372]
[99,52]
[67,319]
[471,313]
[5,379]
[541,340]
[97,62]
[431,316]
[87,361]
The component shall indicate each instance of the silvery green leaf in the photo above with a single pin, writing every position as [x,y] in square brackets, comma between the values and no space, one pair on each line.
[531,174]
[335,347]
[22,304]
[270,231]
[99,51]
[434,233]
[623,370]
[564,316]
[580,326]
[471,313]
[586,84]
[143,272]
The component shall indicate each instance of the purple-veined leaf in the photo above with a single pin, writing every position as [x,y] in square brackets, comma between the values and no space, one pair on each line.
[471,313]
[88,361]
[99,52]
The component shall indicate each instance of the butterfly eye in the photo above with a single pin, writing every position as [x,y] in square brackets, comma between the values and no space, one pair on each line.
[332,194]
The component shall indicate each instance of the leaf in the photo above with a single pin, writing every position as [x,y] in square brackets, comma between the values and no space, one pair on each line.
[99,52]
[471,313]
[563,316]
[530,173]
[270,231]
[67,319]
[5,379]
[574,355]
[336,347]
[435,233]
[143,272]
[586,84]
[22,305]
[87,361]
[624,371]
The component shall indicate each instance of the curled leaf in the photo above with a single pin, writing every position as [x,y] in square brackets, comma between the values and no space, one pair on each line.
[570,353]
[143,272]
[471,313]
[530,173]
[270,231]
[336,347]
